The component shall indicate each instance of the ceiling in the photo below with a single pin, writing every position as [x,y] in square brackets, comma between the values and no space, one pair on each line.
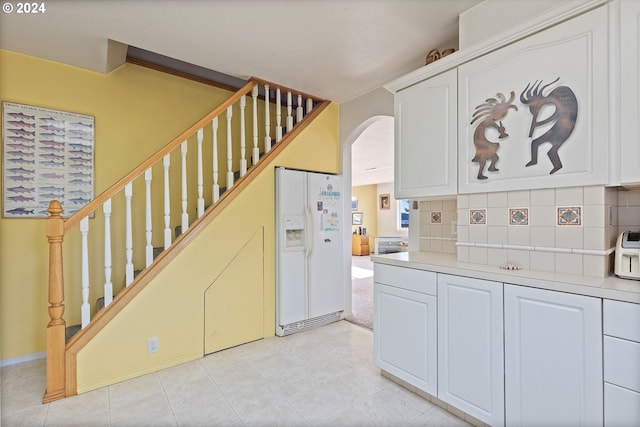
[334,49]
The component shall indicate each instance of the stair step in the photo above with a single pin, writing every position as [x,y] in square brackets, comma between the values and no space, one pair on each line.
[70,331]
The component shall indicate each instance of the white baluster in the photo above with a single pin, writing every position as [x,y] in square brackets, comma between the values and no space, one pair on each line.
[185,215]
[216,188]
[278,117]
[309,105]
[229,149]
[200,177]
[289,116]
[299,110]
[128,233]
[243,160]
[256,152]
[166,162]
[148,222]
[267,120]
[86,308]
[108,286]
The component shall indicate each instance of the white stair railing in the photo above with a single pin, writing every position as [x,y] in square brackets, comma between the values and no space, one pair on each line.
[128,195]
[216,186]
[85,314]
[267,121]
[121,255]
[108,285]
[148,223]
[185,215]
[243,143]
[255,155]
[229,148]
[278,116]
[166,163]
[122,215]
[200,136]
[289,116]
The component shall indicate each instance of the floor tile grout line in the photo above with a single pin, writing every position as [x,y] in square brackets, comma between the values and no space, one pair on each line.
[109,404]
[226,399]
[166,396]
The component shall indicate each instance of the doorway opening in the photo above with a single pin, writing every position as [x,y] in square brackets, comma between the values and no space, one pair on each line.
[371,181]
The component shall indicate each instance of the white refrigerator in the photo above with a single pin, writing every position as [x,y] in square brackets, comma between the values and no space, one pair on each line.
[309,250]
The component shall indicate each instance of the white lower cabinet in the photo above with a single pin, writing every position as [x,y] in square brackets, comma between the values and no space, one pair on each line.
[553,358]
[509,354]
[621,327]
[404,338]
[470,346]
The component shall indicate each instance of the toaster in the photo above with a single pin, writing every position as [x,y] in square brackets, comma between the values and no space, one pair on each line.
[627,263]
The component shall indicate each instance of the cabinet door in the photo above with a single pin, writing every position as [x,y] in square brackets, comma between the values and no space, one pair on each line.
[553,358]
[426,138]
[630,69]
[404,337]
[534,114]
[470,347]
[621,406]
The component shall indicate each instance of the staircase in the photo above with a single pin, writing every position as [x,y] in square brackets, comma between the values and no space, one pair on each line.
[215,162]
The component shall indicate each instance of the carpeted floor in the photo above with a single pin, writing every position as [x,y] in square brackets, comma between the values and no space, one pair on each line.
[362,292]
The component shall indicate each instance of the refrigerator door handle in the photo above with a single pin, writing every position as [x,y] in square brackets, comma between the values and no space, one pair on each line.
[309,227]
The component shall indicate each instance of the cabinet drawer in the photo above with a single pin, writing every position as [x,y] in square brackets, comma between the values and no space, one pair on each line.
[622,363]
[622,320]
[621,407]
[405,278]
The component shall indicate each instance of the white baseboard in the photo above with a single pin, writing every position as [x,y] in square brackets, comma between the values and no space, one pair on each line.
[22,359]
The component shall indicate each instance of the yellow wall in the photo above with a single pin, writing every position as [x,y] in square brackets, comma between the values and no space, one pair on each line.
[136,112]
[367,204]
[171,307]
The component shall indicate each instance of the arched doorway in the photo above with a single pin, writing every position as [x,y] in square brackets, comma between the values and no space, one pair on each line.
[368,166]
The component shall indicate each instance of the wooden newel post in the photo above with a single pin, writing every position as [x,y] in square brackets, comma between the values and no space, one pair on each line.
[56,327]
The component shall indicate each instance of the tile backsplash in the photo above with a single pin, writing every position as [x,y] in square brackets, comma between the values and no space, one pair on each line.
[438,226]
[565,230]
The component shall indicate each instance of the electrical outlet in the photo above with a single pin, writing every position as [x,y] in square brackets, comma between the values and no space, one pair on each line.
[152,345]
[454,228]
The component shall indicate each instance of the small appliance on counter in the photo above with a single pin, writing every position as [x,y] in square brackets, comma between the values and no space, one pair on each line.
[627,263]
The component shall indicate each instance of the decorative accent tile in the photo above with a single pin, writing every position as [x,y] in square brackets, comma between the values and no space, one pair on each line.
[570,215]
[518,216]
[477,216]
[436,217]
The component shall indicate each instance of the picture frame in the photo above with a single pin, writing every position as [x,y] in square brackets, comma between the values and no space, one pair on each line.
[47,155]
[354,203]
[356,218]
[385,202]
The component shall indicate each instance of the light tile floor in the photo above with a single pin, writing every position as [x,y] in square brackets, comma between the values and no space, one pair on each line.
[321,377]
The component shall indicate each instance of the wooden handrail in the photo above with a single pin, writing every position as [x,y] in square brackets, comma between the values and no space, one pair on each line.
[156,157]
[285,89]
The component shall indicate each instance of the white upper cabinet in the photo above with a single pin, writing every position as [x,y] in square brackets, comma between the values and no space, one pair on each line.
[426,138]
[630,91]
[534,114]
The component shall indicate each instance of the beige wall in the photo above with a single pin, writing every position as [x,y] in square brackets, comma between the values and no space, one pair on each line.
[387,219]
[367,202]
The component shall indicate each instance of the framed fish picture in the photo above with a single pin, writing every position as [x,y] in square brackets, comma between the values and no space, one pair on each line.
[47,155]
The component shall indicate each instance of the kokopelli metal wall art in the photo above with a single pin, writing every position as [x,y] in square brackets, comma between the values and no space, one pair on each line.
[566,111]
[491,113]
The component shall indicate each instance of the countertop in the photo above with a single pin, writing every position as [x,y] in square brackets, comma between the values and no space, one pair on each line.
[611,287]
